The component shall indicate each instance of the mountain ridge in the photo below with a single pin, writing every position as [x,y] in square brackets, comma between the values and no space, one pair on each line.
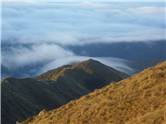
[137,99]
[29,96]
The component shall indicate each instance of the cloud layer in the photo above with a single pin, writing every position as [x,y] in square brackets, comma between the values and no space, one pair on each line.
[35,33]
[23,56]
[37,1]
[81,23]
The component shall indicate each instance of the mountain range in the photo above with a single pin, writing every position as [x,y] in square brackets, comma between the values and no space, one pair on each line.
[140,55]
[139,99]
[22,98]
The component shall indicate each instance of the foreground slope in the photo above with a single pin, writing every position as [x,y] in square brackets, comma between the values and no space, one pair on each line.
[22,98]
[140,99]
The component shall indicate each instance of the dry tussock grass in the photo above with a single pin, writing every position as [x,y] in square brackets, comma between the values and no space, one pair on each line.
[140,99]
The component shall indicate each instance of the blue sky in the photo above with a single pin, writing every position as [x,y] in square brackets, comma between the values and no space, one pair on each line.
[46,26]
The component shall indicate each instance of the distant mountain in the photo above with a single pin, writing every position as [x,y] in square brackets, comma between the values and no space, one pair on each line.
[140,99]
[22,98]
[5,71]
[21,72]
[140,54]
[89,73]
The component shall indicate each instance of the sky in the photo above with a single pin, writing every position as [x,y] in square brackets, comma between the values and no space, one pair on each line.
[37,1]
[38,31]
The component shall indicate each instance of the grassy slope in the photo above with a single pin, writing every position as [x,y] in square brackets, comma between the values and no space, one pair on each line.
[22,98]
[140,99]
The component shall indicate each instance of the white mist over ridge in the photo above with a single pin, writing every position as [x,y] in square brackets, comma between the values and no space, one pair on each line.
[117,63]
[35,32]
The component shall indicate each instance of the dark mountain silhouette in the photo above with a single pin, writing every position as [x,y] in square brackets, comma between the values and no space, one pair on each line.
[140,99]
[89,73]
[22,98]
[141,54]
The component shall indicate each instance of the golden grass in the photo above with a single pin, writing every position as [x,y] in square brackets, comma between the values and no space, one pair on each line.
[140,99]
[157,116]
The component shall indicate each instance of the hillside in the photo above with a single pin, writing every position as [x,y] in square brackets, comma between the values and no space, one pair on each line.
[22,98]
[91,74]
[140,99]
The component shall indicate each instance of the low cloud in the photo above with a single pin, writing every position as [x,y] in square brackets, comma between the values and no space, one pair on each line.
[39,33]
[49,56]
[16,57]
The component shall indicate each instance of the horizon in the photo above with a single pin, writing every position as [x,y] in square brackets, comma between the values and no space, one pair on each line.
[50,32]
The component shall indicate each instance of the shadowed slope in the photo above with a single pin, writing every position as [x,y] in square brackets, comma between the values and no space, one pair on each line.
[22,98]
[89,73]
[140,99]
